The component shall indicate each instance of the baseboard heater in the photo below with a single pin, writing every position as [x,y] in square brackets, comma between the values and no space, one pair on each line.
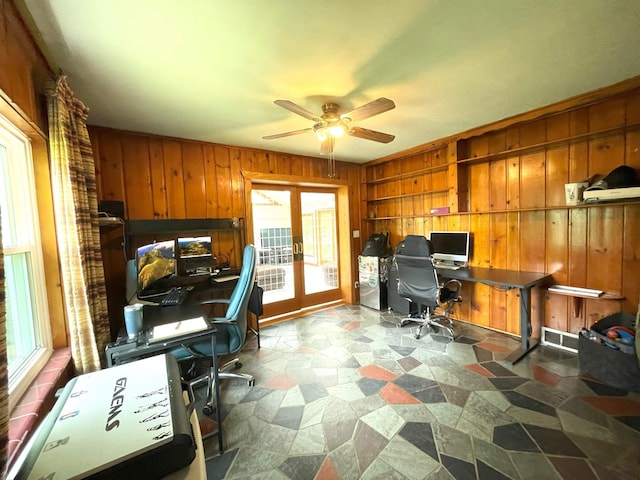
[559,339]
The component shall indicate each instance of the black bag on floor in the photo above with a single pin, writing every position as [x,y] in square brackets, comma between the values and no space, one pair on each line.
[612,363]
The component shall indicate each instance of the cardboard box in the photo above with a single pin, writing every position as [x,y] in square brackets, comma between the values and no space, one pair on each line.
[573,192]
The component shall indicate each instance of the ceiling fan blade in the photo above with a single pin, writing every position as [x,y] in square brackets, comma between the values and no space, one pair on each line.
[287,134]
[371,135]
[326,147]
[292,107]
[370,109]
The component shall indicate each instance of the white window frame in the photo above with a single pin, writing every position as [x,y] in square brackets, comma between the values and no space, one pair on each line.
[25,207]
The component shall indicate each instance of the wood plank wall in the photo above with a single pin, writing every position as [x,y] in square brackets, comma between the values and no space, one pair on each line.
[161,177]
[512,201]
[514,204]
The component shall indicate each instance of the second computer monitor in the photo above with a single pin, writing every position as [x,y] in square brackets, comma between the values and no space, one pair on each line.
[451,247]
[195,255]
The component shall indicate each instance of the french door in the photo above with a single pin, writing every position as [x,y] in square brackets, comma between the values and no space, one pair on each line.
[295,233]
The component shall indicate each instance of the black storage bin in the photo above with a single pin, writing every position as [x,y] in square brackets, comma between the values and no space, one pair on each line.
[610,365]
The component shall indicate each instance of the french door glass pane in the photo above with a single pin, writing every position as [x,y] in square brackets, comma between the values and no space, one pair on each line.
[272,238]
[320,241]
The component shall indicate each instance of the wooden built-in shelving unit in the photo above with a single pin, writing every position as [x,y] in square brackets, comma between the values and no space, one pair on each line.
[505,184]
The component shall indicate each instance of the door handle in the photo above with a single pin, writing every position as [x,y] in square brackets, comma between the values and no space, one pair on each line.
[298,248]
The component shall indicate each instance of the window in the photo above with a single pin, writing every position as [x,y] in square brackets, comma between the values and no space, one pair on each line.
[28,335]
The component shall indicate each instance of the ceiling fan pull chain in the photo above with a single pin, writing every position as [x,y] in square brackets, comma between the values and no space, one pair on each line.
[331,164]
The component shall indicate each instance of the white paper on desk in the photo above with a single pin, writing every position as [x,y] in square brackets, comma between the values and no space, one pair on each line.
[177,329]
[226,278]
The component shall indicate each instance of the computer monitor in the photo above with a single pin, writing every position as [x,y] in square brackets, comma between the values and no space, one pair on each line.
[450,247]
[155,263]
[195,255]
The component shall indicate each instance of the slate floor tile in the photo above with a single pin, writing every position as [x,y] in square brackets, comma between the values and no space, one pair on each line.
[373,399]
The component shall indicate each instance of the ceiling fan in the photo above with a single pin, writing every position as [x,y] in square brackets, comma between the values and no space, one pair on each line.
[331,125]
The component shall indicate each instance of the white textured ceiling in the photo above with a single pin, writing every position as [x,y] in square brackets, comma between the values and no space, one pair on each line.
[211,69]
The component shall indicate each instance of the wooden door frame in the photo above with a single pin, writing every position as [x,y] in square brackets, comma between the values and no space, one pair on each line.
[341,188]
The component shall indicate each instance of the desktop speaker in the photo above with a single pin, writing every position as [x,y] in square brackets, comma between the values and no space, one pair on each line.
[113,208]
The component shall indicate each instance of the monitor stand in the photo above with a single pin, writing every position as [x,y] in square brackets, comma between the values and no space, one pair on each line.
[450,265]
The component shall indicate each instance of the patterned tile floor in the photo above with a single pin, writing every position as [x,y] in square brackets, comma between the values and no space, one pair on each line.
[346,394]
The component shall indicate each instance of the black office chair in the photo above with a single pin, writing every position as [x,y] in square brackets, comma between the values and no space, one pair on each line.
[418,282]
[231,334]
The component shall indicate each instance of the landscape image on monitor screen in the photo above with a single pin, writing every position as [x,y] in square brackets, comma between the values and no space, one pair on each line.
[155,261]
[194,247]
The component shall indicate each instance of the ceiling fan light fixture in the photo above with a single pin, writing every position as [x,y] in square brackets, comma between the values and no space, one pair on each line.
[336,131]
[324,131]
[321,133]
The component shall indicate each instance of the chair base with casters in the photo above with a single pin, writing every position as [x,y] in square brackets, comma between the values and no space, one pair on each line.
[436,325]
[235,363]
[439,325]
[194,379]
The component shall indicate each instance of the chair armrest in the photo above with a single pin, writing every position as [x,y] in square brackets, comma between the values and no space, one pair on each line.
[215,300]
[218,320]
[454,281]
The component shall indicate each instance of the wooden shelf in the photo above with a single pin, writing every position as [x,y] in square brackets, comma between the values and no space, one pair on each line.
[104,222]
[396,197]
[578,298]
[514,210]
[612,203]
[550,143]
[400,176]
[151,227]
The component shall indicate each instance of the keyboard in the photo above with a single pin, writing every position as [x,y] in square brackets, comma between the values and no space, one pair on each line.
[176,296]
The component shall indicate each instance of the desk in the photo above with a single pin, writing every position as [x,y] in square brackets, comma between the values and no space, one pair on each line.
[507,279]
[125,350]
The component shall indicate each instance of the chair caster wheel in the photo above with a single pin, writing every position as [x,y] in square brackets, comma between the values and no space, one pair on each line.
[417,336]
[252,382]
[238,365]
[207,410]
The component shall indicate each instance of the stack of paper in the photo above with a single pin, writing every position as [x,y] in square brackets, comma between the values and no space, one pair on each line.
[178,329]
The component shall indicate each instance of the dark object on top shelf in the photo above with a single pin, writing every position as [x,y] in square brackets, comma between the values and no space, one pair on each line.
[622,183]
[620,177]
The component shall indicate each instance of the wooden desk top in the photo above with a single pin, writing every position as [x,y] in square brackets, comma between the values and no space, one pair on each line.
[495,276]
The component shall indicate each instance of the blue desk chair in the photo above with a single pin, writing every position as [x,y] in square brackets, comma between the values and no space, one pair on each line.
[232,331]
